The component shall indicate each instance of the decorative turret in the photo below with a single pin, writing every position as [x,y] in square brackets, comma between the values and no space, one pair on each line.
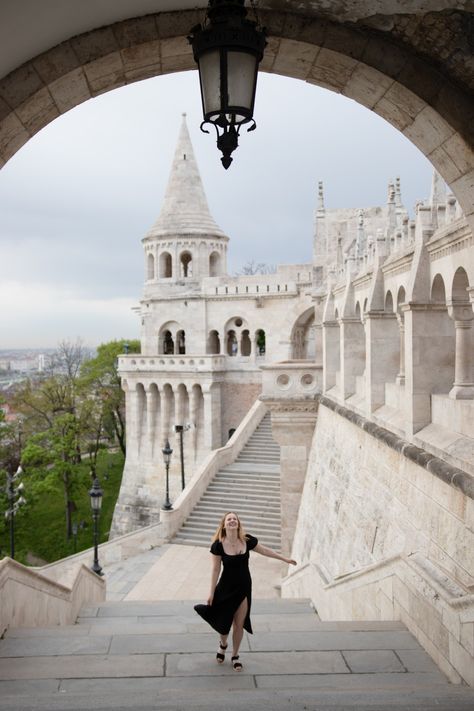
[185,243]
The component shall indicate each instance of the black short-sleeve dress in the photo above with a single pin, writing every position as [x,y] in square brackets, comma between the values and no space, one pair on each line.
[234,585]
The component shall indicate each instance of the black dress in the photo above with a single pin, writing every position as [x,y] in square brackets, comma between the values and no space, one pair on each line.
[234,585]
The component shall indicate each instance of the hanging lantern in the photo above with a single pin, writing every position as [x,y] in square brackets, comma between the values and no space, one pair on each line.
[228,49]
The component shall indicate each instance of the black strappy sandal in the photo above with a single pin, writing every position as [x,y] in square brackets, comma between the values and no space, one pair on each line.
[219,656]
[236,664]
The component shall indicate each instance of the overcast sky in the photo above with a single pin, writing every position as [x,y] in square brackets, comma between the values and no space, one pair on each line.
[76,200]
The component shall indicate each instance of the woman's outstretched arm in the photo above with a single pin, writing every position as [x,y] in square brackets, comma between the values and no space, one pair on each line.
[215,570]
[263,550]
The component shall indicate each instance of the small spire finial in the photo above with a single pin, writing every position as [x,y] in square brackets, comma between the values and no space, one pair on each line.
[320,195]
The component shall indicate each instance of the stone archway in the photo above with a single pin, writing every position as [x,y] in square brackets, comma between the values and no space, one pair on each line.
[403,86]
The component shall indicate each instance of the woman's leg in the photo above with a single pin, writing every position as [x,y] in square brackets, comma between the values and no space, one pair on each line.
[238,626]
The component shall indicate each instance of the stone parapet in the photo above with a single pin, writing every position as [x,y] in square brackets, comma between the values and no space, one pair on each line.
[29,599]
[436,610]
[291,380]
[130,364]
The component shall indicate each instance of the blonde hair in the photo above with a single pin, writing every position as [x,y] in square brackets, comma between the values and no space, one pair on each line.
[220,533]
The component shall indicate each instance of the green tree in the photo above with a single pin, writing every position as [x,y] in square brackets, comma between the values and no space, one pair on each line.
[99,375]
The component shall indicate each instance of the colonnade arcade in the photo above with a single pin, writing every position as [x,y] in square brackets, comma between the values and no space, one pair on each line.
[156,406]
[370,354]
[181,266]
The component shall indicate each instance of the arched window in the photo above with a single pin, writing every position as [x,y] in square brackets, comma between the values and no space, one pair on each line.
[245,343]
[260,342]
[215,264]
[232,346]
[166,268]
[168,343]
[181,342]
[186,261]
[214,344]
[150,266]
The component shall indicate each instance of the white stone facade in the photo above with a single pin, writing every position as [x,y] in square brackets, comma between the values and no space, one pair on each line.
[204,336]
[383,315]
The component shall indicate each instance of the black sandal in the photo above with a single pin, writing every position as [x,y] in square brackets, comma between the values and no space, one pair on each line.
[219,656]
[236,664]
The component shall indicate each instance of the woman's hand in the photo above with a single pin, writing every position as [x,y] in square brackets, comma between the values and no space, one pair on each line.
[290,561]
[210,599]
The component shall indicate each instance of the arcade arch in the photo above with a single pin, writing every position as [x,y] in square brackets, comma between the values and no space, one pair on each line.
[166,265]
[303,337]
[390,77]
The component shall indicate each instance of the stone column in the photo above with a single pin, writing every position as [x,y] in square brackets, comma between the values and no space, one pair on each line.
[352,344]
[131,410]
[401,327]
[212,416]
[166,397]
[429,360]
[382,361]
[463,386]
[331,357]
[194,400]
[152,406]
[293,424]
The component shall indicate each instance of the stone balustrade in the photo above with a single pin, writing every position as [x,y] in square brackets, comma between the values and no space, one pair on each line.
[289,380]
[170,363]
[30,599]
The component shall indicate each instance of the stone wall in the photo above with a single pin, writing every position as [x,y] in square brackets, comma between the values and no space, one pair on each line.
[379,536]
[237,397]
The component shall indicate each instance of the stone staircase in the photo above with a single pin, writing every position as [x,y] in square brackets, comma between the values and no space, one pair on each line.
[250,487]
[160,656]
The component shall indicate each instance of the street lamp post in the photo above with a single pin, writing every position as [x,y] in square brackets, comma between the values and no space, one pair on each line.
[96,494]
[179,429]
[14,503]
[167,452]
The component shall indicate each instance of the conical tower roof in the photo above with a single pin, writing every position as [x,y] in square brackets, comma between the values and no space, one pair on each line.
[185,210]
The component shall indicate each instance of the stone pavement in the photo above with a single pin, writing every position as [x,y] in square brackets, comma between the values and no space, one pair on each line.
[178,572]
[160,655]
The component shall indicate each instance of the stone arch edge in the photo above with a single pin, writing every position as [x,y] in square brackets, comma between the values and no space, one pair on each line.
[414,96]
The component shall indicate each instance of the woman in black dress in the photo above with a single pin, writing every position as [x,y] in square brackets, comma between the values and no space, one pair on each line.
[230,596]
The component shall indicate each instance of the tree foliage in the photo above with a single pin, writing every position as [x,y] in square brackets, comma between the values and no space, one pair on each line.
[100,375]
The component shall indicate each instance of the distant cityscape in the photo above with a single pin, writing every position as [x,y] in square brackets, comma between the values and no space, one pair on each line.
[18,363]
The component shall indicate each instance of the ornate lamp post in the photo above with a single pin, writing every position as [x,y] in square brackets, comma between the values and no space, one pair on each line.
[228,49]
[15,500]
[167,452]
[96,494]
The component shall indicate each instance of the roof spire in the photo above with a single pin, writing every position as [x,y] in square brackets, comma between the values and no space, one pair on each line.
[185,209]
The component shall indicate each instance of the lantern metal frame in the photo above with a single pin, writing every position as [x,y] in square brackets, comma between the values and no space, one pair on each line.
[96,493]
[225,30]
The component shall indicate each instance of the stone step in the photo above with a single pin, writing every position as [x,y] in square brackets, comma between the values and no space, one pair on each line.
[236,485]
[250,486]
[252,524]
[213,513]
[159,655]
[270,479]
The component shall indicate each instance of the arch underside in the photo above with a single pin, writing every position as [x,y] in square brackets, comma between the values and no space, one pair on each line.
[412,93]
